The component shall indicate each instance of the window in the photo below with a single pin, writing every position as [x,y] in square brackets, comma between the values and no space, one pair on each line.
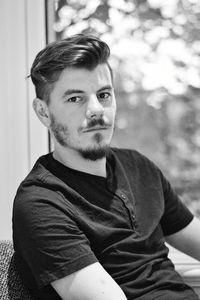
[156,61]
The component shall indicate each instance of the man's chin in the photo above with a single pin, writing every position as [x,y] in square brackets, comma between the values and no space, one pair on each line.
[94,153]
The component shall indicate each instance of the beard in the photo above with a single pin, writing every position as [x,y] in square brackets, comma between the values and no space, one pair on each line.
[93,153]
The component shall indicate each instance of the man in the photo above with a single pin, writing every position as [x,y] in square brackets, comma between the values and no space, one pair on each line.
[89,221]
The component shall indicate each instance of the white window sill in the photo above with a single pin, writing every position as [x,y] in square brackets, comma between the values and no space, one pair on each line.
[187,267]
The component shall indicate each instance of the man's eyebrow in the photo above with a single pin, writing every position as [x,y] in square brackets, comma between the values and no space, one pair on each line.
[76,91]
[107,87]
[72,91]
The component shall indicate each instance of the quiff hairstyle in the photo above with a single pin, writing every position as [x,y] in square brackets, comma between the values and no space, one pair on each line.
[78,51]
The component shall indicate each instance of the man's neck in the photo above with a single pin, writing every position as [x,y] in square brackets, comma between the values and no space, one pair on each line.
[74,160]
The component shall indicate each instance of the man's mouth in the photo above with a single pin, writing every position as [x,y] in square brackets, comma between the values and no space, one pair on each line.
[96,128]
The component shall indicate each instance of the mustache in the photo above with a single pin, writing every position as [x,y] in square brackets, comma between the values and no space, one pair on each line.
[96,122]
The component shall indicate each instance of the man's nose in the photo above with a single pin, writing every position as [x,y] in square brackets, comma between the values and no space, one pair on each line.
[94,108]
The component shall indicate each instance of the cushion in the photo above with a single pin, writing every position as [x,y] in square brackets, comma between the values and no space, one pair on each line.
[11,285]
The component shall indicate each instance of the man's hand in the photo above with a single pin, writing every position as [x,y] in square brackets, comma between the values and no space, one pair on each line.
[90,283]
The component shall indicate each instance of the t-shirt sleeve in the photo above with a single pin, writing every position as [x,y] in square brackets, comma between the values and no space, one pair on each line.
[176,215]
[48,237]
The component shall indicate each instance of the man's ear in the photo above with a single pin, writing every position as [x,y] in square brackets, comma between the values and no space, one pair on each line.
[41,109]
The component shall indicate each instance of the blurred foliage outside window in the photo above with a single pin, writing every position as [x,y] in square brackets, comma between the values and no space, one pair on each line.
[155,47]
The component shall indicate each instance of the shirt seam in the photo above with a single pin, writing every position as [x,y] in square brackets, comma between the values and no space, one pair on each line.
[59,273]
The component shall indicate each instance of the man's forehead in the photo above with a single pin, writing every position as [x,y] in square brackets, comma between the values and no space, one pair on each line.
[99,71]
[82,80]
[81,76]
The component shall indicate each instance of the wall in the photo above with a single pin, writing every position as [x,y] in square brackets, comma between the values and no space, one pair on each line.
[22,137]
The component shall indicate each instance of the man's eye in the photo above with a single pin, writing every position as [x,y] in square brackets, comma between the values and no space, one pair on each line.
[74,99]
[104,96]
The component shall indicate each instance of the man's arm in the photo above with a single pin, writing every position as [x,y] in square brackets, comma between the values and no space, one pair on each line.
[89,283]
[187,240]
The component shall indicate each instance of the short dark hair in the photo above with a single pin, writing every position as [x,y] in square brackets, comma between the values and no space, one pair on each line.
[78,51]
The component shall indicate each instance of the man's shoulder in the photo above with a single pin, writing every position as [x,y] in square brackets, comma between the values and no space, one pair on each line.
[39,181]
[129,154]
[132,158]
[39,172]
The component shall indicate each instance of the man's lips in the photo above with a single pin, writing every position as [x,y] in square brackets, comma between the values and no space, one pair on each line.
[96,128]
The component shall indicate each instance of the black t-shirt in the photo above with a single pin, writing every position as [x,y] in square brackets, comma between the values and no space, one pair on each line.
[64,220]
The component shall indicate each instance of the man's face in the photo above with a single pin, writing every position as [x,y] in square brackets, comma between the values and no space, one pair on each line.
[82,111]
